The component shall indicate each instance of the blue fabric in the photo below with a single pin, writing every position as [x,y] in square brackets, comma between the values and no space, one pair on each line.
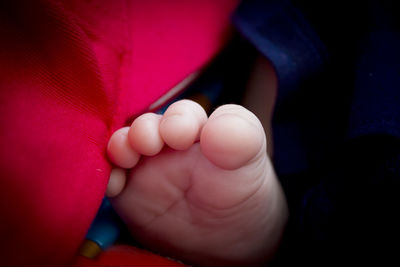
[105,229]
[375,107]
[337,121]
[283,35]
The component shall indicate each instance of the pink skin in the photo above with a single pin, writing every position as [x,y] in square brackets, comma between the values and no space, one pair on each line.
[204,190]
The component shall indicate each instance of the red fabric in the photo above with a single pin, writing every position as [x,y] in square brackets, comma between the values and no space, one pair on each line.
[70,74]
[126,256]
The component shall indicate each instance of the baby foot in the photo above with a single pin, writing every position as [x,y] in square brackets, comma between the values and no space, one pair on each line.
[204,190]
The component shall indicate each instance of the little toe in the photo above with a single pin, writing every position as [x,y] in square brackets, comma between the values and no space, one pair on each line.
[232,137]
[119,150]
[181,124]
[116,183]
[144,135]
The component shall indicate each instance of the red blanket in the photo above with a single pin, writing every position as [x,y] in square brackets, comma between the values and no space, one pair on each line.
[72,72]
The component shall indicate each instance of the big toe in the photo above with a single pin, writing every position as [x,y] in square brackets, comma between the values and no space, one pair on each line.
[232,137]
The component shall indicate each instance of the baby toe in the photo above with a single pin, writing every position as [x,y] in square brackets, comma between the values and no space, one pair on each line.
[116,183]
